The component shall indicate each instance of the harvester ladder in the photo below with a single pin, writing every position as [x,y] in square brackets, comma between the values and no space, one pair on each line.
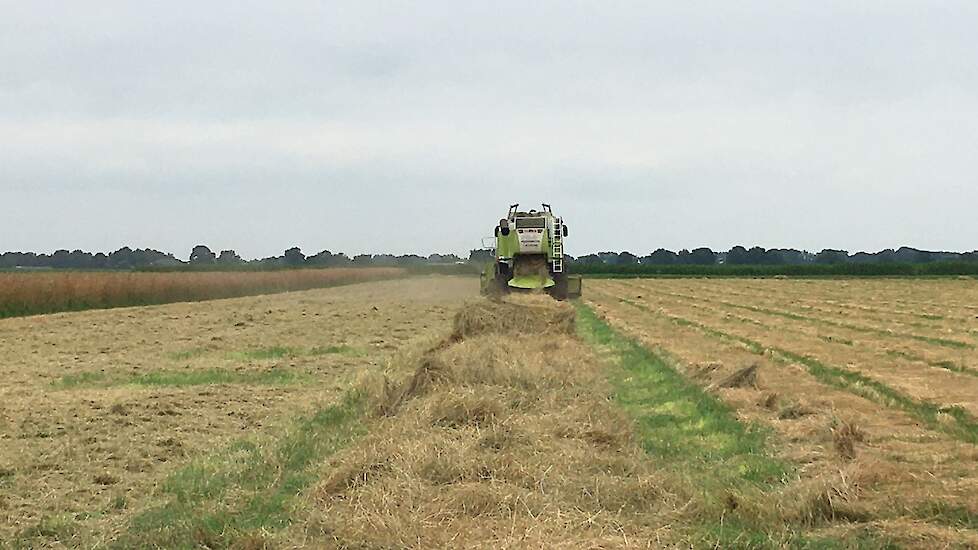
[557,243]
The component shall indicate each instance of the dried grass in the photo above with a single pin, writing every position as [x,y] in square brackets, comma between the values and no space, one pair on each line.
[743,378]
[845,435]
[512,443]
[35,293]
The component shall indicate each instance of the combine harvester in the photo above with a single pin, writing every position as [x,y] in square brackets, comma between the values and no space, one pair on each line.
[529,255]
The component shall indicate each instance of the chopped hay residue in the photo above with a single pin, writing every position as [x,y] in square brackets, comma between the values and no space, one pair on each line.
[499,438]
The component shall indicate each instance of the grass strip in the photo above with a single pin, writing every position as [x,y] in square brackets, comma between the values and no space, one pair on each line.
[693,434]
[951,515]
[954,421]
[677,417]
[945,342]
[834,339]
[240,494]
[941,364]
[180,378]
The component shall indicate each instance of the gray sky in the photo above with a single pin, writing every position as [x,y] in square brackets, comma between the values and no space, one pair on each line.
[410,126]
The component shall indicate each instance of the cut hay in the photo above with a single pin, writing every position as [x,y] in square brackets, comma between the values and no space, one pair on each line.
[845,435]
[743,378]
[497,440]
[524,314]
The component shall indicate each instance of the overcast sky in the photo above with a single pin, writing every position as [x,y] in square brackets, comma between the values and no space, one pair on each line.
[410,126]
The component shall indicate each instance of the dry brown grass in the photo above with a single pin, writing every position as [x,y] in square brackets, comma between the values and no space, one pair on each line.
[34,293]
[879,466]
[512,444]
[84,459]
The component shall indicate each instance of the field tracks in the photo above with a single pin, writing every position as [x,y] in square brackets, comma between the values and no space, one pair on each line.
[838,337]
[962,425]
[924,450]
[932,372]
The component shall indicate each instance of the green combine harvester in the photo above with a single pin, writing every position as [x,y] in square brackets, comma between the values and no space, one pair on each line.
[529,255]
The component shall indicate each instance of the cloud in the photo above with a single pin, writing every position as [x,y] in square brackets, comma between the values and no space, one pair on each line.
[409,126]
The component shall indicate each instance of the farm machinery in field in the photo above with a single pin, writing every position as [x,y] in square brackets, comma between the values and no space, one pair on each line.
[529,255]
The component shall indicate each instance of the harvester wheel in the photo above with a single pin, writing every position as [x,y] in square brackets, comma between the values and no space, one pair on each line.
[560,290]
[500,280]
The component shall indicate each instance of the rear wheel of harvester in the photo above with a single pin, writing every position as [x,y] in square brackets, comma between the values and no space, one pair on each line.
[560,290]
[501,279]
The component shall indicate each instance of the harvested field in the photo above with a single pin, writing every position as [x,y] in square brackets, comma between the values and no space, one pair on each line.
[98,408]
[413,414]
[880,374]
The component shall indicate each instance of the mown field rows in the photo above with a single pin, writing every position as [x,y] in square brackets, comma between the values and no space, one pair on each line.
[413,414]
[913,394]
[924,367]
[99,409]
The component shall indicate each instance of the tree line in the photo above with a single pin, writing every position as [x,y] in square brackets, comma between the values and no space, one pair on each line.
[202,256]
[758,256]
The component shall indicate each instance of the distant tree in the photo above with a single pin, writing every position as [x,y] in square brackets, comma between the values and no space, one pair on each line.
[660,257]
[922,257]
[328,259]
[201,255]
[609,257]
[886,256]
[627,258]
[773,257]
[121,259]
[363,259]
[590,259]
[294,257]
[229,257]
[61,259]
[791,256]
[702,256]
[737,256]
[481,255]
[270,261]
[385,260]
[410,259]
[830,256]
[756,256]
[442,259]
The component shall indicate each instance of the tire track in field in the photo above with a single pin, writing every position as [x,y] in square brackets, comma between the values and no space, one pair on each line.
[836,340]
[937,341]
[938,418]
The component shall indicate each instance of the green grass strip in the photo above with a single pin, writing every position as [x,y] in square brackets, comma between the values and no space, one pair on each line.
[954,421]
[942,364]
[237,495]
[692,434]
[180,378]
[676,417]
[951,515]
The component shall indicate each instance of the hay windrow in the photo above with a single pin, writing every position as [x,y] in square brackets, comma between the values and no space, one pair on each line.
[517,314]
[504,437]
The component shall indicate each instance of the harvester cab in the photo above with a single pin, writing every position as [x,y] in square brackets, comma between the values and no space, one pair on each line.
[529,255]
